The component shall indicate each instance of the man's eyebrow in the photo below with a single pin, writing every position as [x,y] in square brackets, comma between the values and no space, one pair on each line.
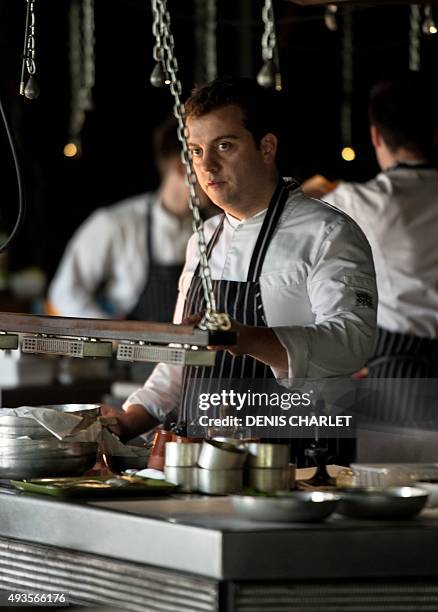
[230,136]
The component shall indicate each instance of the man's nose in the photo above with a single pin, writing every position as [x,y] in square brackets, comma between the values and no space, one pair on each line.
[209,161]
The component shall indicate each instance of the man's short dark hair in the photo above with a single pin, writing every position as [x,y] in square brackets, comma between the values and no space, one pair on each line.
[165,142]
[403,111]
[255,102]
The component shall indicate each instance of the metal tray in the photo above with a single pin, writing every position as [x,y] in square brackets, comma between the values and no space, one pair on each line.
[293,506]
[96,486]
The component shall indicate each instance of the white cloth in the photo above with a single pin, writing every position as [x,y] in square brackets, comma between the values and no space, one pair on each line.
[110,248]
[398,212]
[317,287]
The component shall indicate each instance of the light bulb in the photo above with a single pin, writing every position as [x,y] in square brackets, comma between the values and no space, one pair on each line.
[71,149]
[348,154]
[429,26]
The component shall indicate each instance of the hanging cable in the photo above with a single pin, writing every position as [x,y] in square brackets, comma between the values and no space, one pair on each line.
[21,198]
[414,38]
[269,74]
[29,90]
[347,153]
[166,52]
[82,71]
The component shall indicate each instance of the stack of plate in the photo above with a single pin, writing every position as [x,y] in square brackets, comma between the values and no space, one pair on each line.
[28,450]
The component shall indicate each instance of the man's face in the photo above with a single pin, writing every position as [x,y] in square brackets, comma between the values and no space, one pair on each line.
[228,165]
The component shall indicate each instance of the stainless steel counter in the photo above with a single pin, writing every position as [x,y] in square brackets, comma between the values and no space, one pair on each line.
[203,536]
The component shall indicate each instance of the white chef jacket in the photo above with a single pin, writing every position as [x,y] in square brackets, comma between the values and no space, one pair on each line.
[317,287]
[398,212]
[110,247]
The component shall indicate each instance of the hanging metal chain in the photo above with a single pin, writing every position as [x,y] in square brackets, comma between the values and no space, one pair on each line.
[212,319]
[30,51]
[330,17]
[269,75]
[414,38]
[347,76]
[268,37]
[30,89]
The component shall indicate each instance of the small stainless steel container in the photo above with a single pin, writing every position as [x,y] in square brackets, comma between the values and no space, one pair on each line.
[271,479]
[185,477]
[216,455]
[219,482]
[182,454]
[265,455]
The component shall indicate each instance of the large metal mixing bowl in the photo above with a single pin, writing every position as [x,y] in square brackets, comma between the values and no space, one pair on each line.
[17,426]
[46,458]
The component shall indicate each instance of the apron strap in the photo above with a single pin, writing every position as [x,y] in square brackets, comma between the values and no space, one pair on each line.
[275,209]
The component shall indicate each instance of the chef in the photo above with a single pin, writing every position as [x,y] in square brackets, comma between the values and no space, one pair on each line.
[125,260]
[398,212]
[295,275]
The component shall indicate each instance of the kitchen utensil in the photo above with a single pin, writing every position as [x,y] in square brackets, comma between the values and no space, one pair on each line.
[374,503]
[293,506]
[221,456]
[271,479]
[181,455]
[185,477]
[265,455]
[219,482]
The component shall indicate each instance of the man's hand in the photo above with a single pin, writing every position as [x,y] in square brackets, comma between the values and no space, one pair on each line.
[130,423]
[258,342]
[317,186]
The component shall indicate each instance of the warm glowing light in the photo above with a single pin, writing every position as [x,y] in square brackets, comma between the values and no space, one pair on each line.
[70,149]
[348,154]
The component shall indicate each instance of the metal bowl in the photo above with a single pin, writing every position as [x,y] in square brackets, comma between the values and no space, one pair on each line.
[265,455]
[270,479]
[185,477]
[121,463]
[17,426]
[374,503]
[60,459]
[216,455]
[77,409]
[219,482]
[182,454]
[293,506]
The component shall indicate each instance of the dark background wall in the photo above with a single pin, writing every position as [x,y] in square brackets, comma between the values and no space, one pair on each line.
[117,159]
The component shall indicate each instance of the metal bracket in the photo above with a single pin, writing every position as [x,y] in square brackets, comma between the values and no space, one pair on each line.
[71,347]
[8,341]
[175,355]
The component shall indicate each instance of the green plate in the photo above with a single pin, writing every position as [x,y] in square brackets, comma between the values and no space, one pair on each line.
[95,486]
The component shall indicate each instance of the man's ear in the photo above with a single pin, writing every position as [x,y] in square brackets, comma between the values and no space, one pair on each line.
[268,147]
[376,137]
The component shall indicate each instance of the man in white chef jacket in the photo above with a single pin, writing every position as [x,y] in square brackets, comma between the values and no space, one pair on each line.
[295,275]
[398,212]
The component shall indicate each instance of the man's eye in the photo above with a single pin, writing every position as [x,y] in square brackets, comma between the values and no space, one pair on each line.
[224,146]
[196,152]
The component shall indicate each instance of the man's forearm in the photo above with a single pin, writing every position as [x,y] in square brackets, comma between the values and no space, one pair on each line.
[135,421]
[262,344]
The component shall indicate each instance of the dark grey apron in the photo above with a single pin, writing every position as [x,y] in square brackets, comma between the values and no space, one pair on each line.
[158,297]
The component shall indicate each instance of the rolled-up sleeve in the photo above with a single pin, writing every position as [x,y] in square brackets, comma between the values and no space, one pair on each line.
[343,297]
